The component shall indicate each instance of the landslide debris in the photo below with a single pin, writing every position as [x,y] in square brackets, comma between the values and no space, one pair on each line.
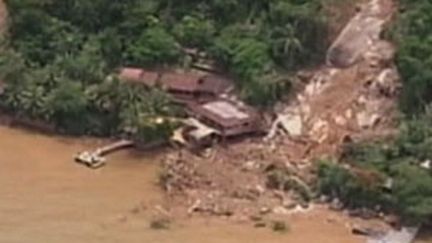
[352,97]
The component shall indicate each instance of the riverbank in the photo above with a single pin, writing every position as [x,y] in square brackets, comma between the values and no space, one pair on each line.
[48,198]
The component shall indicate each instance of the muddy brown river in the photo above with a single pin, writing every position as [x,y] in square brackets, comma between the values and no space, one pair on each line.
[46,198]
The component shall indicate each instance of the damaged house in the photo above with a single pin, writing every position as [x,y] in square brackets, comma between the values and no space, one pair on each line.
[184,87]
[222,119]
[210,116]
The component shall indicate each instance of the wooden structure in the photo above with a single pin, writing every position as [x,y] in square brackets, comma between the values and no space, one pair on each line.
[184,87]
[227,117]
[95,159]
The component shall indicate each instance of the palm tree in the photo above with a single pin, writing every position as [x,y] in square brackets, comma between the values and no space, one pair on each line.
[286,45]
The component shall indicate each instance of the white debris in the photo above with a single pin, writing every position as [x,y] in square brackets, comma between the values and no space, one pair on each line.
[292,124]
[319,131]
[426,165]
[340,120]
[366,120]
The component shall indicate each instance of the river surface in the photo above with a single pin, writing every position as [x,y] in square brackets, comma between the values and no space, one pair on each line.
[46,198]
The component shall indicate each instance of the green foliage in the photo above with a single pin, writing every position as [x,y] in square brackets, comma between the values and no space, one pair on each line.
[282,179]
[411,193]
[154,46]
[68,104]
[265,91]
[354,191]
[246,57]
[59,53]
[295,27]
[414,58]
[194,31]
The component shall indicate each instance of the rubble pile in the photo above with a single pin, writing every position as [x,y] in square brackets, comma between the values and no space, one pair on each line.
[231,182]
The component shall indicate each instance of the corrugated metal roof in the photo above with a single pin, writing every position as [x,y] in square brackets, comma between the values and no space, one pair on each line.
[224,112]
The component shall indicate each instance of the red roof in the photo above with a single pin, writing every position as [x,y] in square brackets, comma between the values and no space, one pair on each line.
[181,81]
[186,82]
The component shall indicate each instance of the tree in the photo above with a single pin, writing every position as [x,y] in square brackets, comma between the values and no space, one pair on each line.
[295,28]
[285,45]
[154,46]
[146,115]
[68,104]
[194,31]
[246,57]
[413,192]
[264,91]
[413,36]
[86,66]
[79,42]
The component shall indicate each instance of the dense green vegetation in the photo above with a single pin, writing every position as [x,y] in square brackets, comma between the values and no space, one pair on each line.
[399,160]
[413,35]
[58,54]
[388,175]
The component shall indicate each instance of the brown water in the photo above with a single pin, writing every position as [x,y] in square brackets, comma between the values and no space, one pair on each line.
[46,198]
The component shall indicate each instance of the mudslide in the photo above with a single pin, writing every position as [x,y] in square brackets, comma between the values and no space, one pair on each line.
[354,95]
[336,105]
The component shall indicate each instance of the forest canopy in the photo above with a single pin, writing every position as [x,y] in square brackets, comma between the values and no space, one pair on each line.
[59,53]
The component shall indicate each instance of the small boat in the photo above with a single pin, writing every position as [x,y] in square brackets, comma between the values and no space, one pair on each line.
[91,160]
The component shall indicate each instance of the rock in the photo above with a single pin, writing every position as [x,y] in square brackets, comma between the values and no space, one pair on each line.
[249,166]
[323,199]
[361,100]
[341,121]
[260,189]
[265,210]
[319,131]
[336,205]
[194,206]
[290,205]
[292,124]
[365,120]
